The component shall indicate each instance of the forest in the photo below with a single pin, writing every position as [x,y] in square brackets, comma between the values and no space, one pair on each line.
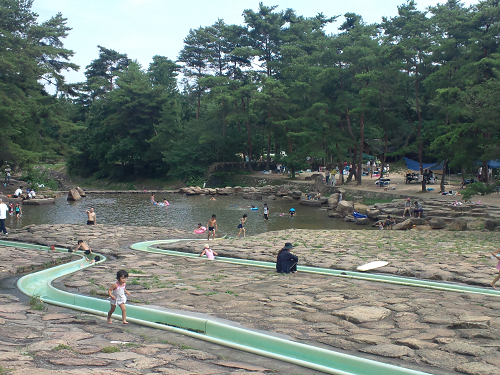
[422,84]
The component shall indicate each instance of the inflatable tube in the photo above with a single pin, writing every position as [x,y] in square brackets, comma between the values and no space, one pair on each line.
[357,215]
[200,230]
[254,208]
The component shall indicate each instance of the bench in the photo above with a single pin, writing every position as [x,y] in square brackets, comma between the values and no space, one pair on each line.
[382,182]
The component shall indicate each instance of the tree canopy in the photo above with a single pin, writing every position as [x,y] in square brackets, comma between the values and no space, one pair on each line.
[422,84]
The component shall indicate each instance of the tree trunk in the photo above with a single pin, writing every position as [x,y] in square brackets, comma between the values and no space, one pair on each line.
[361,147]
[249,138]
[237,113]
[445,166]
[223,119]
[289,142]
[485,174]
[268,161]
[386,136]
[420,143]
[353,164]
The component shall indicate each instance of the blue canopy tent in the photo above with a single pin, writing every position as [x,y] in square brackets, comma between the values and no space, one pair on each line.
[413,165]
[494,163]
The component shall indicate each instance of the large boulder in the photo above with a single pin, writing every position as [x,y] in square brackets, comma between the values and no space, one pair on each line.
[362,221]
[437,223]
[283,190]
[81,192]
[73,195]
[345,208]
[407,224]
[350,219]
[333,200]
[372,213]
[286,198]
[296,194]
[489,224]
[418,221]
[458,224]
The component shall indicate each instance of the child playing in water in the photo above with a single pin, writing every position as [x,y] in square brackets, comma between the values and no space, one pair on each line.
[18,210]
[495,254]
[241,224]
[208,252]
[212,227]
[117,292]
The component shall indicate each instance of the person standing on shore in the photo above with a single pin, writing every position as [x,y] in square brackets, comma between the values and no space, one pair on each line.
[212,227]
[91,217]
[495,254]
[117,293]
[7,176]
[3,216]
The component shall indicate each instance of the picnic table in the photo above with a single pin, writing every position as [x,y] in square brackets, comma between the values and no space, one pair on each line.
[411,177]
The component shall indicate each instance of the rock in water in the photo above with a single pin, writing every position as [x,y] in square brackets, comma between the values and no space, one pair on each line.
[73,195]
[81,192]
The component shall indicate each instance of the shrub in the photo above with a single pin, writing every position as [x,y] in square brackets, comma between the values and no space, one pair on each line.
[479,188]
[40,177]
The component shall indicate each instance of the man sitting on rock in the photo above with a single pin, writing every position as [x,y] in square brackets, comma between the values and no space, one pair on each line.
[418,209]
[286,262]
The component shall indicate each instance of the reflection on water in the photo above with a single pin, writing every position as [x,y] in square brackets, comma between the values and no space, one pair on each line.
[184,212]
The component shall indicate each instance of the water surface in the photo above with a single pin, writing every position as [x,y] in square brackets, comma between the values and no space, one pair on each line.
[184,212]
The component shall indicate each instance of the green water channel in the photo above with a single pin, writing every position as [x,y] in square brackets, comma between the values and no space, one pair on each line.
[320,359]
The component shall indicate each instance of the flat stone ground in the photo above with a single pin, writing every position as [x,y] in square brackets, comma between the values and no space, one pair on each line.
[432,331]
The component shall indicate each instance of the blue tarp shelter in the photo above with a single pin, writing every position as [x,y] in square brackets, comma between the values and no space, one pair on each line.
[413,165]
[494,163]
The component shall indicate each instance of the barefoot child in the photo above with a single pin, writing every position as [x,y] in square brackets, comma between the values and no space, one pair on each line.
[117,293]
[208,252]
[212,227]
[241,226]
[495,254]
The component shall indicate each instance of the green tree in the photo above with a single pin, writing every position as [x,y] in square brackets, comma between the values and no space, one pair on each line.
[30,54]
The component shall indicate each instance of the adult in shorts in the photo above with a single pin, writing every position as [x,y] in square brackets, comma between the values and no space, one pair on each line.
[91,218]
[212,227]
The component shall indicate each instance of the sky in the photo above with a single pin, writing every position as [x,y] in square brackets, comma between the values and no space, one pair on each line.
[145,28]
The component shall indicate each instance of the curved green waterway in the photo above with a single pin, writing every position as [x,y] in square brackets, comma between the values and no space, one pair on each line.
[328,361]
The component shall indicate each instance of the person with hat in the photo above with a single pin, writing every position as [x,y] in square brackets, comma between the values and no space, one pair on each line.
[286,262]
[407,207]
[208,252]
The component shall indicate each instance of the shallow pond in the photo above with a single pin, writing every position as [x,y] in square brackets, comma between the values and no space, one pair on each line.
[184,212]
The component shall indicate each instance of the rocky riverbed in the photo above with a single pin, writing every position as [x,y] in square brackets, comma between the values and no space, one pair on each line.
[433,331]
